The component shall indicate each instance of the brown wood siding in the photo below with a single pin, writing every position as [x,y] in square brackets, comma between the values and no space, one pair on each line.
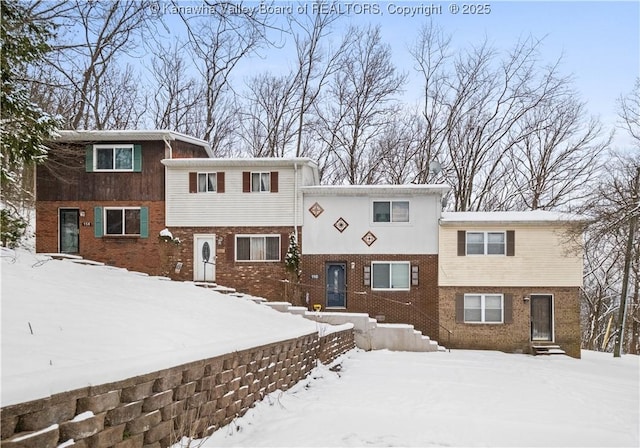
[220,182]
[184,150]
[274,182]
[63,177]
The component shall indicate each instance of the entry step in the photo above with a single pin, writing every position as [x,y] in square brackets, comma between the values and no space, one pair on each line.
[547,350]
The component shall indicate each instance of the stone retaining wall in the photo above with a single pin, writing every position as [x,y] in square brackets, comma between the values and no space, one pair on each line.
[157,409]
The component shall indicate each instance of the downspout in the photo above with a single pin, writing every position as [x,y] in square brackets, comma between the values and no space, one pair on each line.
[168,145]
[295,200]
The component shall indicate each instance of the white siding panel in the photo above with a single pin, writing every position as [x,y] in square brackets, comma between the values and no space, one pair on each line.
[544,256]
[419,236]
[231,208]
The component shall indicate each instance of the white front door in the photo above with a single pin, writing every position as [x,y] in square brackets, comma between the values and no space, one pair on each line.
[204,258]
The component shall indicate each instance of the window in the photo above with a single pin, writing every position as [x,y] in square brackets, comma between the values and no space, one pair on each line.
[390,275]
[113,157]
[258,248]
[486,243]
[260,182]
[122,221]
[207,182]
[391,211]
[483,308]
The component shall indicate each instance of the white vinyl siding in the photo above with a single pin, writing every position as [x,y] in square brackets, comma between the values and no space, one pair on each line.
[233,208]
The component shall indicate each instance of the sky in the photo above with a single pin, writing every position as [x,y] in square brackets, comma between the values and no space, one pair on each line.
[597,41]
[58,315]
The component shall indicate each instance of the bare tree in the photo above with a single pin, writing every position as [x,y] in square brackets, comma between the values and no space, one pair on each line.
[360,102]
[314,64]
[268,117]
[85,63]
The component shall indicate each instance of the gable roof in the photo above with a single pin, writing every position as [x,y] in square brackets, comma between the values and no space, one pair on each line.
[131,135]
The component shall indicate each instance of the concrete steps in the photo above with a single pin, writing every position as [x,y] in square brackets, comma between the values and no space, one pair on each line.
[547,349]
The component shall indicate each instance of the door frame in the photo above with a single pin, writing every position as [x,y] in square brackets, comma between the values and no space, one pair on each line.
[552,319]
[197,257]
[326,289]
[77,210]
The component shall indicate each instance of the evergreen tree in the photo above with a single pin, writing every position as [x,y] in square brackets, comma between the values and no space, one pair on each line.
[24,126]
[292,259]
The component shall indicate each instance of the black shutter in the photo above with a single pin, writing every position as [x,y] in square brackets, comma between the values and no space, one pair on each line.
[511,243]
[462,242]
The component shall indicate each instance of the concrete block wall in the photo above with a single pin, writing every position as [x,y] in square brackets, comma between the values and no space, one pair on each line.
[157,409]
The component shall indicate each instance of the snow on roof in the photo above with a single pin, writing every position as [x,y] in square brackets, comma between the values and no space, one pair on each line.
[532,216]
[130,135]
[367,190]
[248,161]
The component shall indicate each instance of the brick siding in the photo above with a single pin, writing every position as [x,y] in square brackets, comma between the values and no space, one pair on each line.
[418,306]
[516,336]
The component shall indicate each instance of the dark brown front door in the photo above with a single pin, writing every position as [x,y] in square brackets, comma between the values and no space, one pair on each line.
[541,318]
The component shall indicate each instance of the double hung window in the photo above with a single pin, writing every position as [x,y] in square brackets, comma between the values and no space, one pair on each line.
[113,157]
[390,275]
[260,182]
[483,308]
[391,211]
[486,243]
[257,248]
[122,221]
[207,182]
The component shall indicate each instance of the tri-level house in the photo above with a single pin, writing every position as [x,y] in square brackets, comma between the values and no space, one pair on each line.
[157,202]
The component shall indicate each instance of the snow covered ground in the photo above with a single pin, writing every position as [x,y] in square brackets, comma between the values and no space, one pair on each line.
[462,398]
[94,324]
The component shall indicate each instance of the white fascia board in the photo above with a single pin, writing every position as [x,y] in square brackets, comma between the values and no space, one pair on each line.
[264,162]
[375,190]
[130,135]
[539,217]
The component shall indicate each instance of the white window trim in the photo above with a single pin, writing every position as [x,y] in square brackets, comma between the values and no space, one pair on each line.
[486,243]
[391,221]
[258,236]
[390,263]
[112,170]
[268,173]
[104,221]
[483,308]
[215,185]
